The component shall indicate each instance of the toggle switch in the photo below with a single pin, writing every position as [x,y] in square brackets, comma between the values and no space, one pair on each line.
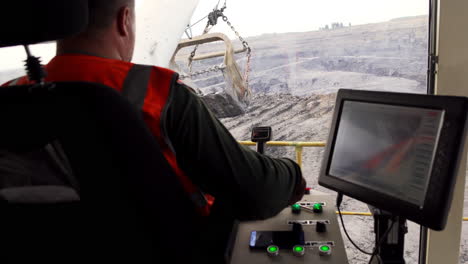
[321,227]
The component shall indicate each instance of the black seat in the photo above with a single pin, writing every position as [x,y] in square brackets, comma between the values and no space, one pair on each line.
[135,208]
[134,211]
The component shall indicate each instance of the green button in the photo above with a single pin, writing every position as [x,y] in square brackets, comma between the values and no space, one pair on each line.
[296,207]
[317,208]
[272,248]
[325,248]
[298,248]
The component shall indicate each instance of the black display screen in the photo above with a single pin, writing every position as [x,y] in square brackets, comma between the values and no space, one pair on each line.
[260,134]
[387,148]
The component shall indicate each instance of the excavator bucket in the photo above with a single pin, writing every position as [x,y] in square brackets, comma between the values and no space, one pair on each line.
[237,93]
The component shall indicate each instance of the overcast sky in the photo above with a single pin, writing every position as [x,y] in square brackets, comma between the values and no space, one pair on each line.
[255,17]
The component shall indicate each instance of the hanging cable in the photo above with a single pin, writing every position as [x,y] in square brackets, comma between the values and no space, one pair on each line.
[339,199]
[200,20]
[190,26]
[375,252]
[384,236]
[212,21]
[219,1]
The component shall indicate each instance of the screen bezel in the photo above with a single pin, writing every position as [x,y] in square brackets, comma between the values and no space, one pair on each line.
[434,211]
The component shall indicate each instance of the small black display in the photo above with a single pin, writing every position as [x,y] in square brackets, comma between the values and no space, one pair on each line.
[261,134]
[283,239]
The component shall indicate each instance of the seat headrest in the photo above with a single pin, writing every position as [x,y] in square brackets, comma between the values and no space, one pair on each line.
[32,21]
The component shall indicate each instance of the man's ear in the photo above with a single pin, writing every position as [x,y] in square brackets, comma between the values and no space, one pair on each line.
[124,21]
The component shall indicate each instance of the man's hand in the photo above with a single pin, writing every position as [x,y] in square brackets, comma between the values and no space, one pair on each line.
[298,192]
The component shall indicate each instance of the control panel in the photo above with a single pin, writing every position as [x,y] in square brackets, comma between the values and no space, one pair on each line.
[306,232]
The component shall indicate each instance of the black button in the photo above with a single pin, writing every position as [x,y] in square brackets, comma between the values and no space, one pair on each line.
[321,227]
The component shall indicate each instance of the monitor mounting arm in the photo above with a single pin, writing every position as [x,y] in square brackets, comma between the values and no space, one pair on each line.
[391,249]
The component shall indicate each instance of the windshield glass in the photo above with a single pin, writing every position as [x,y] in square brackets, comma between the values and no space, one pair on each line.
[302,53]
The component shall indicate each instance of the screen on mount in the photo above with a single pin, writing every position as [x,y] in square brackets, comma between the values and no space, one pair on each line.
[387,148]
[398,152]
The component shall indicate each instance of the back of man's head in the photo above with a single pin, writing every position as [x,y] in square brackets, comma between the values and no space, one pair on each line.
[110,32]
[103,12]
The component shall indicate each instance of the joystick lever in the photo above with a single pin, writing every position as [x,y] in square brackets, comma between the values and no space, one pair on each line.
[261,135]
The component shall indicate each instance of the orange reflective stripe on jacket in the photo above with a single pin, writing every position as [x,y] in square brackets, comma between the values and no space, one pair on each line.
[114,73]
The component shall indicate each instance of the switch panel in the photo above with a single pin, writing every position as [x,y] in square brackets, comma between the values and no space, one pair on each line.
[322,235]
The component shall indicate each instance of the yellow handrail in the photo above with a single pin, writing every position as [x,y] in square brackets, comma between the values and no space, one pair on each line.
[286,144]
[465,219]
[355,213]
[299,147]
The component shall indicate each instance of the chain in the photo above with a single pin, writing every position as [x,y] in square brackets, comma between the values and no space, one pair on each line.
[208,70]
[243,41]
[212,21]
[247,70]
[193,53]
[246,46]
